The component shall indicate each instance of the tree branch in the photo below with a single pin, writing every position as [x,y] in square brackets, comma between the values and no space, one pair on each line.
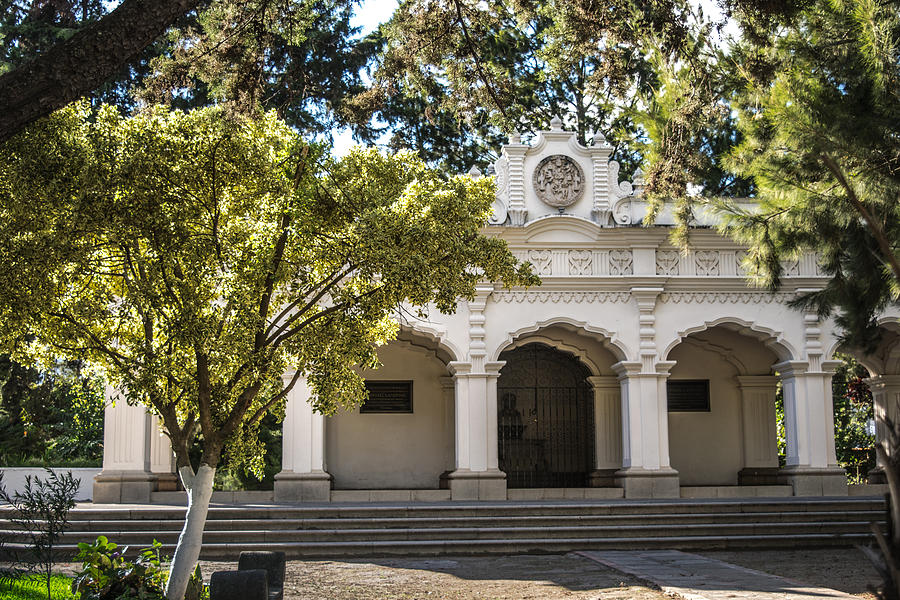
[874,226]
[77,66]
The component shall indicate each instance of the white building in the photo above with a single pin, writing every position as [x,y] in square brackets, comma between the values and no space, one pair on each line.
[635,370]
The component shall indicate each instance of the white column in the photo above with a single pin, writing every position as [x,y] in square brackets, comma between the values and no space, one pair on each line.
[646,471]
[126,475]
[477,475]
[607,430]
[303,477]
[162,458]
[886,398]
[809,427]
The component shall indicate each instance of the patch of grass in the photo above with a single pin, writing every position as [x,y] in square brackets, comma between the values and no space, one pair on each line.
[35,588]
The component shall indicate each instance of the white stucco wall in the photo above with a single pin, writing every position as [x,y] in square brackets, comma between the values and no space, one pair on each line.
[396,451]
[706,448]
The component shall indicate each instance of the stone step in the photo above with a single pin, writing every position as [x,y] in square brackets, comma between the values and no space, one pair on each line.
[547,508]
[176,524]
[126,537]
[334,549]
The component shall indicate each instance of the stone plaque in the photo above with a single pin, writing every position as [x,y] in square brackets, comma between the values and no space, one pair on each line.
[558,181]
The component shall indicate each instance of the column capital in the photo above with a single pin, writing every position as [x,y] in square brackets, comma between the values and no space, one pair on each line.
[601,382]
[461,369]
[791,368]
[883,381]
[756,381]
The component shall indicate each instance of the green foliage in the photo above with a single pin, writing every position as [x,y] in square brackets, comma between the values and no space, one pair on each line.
[106,574]
[42,510]
[820,140]
[28,587]
[217,251]
[853,411]
[51,417]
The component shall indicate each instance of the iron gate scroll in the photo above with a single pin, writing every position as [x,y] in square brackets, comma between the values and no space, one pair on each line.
[545,418]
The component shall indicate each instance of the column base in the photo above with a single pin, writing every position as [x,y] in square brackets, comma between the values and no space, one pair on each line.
[760,476]
[167,482]
[476,485]
[293,487]
[876,475]
[647,483]
[602,478]
[809,481]
[123,487]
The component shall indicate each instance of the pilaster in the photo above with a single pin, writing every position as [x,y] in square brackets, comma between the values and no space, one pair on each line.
[515,152]
[477,475]
[126,476]
[303,476]
[162,458]
[646,472]
[760,438]
[886,397]
[607,430]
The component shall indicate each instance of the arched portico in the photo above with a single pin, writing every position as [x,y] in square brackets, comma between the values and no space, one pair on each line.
[741,363]
[883,365]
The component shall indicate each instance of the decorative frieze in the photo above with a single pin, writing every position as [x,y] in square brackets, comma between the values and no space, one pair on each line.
[706,263]
[667,262]
[725,297]
[581,262]
[541,297]
[621,262]
[542,260]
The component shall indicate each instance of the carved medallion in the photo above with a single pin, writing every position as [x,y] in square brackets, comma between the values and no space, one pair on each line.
[558,181]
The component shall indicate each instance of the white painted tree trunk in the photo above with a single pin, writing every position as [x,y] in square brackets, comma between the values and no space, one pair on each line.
[199,488]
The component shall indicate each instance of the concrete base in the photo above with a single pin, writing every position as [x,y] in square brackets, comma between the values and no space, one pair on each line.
[293,487]
[123,487]
[644,483]
[808,481]
[167,482]
[759,476]
[602,478]
[477,485]
[876,476]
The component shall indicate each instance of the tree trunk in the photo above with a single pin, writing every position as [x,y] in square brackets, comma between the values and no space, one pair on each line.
[199,488]
[77,66]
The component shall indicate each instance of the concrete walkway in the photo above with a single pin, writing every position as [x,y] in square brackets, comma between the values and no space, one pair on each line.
[696,577]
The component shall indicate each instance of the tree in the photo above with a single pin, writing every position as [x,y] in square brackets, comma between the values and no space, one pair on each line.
[205,254]
[501,66]
[820,140]
[76,66]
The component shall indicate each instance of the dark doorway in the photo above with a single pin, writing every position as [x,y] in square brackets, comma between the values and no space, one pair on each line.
[545,418]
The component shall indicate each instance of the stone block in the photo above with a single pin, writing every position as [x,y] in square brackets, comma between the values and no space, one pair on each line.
[239,585]
[602,478]
[302,487]
[477,485]
[807,481]
[759,476]
[123,487]
[430,495]
[647,483]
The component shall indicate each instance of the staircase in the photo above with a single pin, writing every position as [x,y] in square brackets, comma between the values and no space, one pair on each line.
[355,530]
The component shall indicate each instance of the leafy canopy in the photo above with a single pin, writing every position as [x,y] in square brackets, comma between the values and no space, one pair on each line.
[198,256]
[821,141]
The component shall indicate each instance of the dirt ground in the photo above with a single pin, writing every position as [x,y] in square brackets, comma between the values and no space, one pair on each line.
[844,569]
[537,577]
[546,577]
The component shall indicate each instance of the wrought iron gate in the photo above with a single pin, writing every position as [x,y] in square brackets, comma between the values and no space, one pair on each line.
[545,418]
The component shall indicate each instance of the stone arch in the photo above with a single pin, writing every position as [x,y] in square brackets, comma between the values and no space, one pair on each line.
[420,334]
[733,360]
[606,338]
[771,338]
